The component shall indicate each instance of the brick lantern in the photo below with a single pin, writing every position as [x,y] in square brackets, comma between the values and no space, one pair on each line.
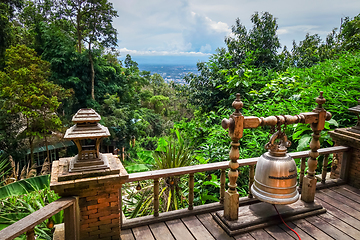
[87,134]
[94,178]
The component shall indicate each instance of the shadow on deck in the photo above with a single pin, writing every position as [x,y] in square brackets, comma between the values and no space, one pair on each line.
[341,221]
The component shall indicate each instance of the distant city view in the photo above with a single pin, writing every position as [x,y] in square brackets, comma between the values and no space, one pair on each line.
[170,73]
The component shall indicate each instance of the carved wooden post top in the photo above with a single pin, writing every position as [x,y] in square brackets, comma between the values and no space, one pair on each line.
[317,118]
[323,115]
[235,123]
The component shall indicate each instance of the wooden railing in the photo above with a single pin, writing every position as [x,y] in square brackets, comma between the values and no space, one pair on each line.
[27,224]
[191,170]
[71,207]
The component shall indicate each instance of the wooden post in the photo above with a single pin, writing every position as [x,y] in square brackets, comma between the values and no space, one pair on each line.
[123,154]
[302,171]
[236,126]
[251,179]
[156,197]
[120,207]
[324,169]
[72,221]
[30,234]
[191,191]
[345,165]
[222,185]
[309,181]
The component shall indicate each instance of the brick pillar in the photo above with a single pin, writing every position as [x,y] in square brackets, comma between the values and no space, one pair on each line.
[99,196]
[348,165]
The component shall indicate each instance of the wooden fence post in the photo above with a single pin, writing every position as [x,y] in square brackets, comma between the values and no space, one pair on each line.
[156,197]
[236,126]
[251,179]
[302,171]
[191,191]
[72,221]
[222,185]
[309,181]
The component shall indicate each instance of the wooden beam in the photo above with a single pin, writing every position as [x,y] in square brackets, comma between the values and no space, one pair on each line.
[218,165]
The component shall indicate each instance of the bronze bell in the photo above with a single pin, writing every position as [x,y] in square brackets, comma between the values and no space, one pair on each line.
[276,173]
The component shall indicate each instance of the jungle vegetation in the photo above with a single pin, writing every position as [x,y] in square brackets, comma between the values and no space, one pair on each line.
[59,56]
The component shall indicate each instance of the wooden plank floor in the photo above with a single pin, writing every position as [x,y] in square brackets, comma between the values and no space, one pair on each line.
[341,221]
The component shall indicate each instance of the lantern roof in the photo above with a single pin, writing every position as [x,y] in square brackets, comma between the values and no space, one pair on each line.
[87,131]
[84,115]
[87,126]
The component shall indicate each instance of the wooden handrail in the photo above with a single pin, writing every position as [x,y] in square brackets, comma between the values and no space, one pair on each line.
[133,177]
[41,215]
[157,174]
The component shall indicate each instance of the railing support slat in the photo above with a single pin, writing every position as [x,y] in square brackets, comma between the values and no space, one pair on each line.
[251,179]
[30,234]
[191,191]
[309,181]
[302,171]
[156,197]
[72,221]
[222,185]
[324,169]
[120,207]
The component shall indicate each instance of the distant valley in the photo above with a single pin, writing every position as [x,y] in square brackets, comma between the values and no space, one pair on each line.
[170,73]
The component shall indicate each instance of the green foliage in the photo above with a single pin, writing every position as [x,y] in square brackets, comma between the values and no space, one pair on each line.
[173,153]
[26,91]
[11,143]
[350,33]
[7,12]
[206,189]
[25,186]
[12,209]
[4,167]
[261,39]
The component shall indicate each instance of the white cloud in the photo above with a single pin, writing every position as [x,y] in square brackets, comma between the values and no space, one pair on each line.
[312,29]
[167,27]
[206,48]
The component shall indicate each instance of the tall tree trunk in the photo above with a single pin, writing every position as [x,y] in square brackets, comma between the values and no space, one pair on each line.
[92,73]
[78,17]
[47,148]
[31,142]
[45,137]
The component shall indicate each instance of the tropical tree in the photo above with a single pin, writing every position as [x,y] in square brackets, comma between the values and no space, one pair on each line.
[7,10]
[261,39]
[25,90]
[92,23]
[350,33]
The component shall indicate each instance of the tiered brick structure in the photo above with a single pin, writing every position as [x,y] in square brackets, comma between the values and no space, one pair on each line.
[98,190]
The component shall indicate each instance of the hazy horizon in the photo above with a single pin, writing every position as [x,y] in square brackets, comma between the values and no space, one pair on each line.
[167,60]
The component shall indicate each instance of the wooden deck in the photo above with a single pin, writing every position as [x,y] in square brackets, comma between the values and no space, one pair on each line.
[341,221]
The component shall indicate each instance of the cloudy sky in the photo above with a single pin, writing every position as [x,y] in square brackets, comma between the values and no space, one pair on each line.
[186,31]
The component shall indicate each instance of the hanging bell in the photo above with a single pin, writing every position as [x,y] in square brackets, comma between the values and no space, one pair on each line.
[276,173]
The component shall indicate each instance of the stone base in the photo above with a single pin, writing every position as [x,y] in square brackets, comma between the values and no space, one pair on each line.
[263,214]
[98,193]
[108,165]
[81,165]
[59,233]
